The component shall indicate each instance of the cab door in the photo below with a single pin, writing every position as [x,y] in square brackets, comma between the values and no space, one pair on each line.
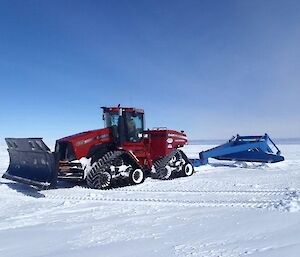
[134,137]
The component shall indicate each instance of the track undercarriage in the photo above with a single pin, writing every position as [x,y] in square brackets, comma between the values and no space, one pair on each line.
[176,164]
[116,169]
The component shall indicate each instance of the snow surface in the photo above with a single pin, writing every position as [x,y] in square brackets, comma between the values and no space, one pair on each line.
[225,209]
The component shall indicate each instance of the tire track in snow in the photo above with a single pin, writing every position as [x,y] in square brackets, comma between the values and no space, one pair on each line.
[193,191]
[202,198]
[181,202]
[245,204]
[259,192]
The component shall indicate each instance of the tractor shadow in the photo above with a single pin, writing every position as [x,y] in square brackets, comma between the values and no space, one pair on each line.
[115,184]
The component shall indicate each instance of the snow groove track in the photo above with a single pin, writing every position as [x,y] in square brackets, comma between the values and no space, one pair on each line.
[212,203]
[202,198]
[259,192]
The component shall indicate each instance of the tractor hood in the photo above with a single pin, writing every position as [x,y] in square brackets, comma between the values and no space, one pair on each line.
[81,143]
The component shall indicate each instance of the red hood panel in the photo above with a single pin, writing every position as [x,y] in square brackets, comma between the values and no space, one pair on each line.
[82,142]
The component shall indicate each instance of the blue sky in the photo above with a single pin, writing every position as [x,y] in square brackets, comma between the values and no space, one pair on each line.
[213,68]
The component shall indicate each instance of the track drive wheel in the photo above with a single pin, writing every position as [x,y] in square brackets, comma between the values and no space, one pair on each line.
[99,179]
[136,176]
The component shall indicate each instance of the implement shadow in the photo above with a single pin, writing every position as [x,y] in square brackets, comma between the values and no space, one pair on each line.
[24,189]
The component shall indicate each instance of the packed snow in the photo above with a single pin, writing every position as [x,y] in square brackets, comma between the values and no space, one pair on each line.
[224,209]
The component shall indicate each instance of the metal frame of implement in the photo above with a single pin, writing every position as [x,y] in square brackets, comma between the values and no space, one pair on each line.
[243,148]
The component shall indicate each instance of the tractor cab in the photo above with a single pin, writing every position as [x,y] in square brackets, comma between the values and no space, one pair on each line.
[127,124]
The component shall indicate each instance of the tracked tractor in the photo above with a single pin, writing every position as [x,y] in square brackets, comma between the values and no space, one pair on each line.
[122,152]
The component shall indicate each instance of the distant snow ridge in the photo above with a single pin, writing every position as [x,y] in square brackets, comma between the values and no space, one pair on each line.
[291,203]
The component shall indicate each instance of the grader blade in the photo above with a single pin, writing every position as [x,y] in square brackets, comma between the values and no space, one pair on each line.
[31,162]
[243,148]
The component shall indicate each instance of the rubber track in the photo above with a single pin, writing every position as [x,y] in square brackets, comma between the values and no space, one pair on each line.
[107,159]
[160,164]
[100,166]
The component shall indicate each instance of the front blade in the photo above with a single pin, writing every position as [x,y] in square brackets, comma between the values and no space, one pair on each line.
[31,162]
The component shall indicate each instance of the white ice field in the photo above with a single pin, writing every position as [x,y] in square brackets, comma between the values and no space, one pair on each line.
[224,209]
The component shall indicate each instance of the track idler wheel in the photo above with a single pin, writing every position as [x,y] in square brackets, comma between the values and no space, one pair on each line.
[136,176]
[187,170]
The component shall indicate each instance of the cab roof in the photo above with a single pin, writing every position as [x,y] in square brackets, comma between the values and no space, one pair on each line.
[126,109]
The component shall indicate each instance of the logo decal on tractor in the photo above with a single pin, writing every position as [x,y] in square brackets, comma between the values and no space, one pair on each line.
[170,140]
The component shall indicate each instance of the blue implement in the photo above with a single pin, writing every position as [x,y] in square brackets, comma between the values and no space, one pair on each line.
[243,148]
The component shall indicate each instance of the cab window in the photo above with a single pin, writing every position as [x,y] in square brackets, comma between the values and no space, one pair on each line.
[135,126]
[111,119]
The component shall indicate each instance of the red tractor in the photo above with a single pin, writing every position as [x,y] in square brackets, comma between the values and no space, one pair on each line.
[121,152]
